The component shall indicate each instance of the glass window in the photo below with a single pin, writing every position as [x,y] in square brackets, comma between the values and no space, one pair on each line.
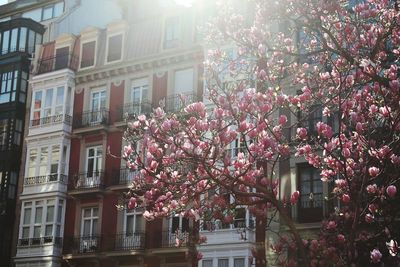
[207,263]
[35,14]
[31,41]
[22,39]
[184,81]
[134,221]
[88,54]
[37,106]
[172,32]
[32,162]
[58,9]
[223,262]
[47,12]
[18,132]
[5,42]
[238,262]
[14,39]
[114,48]
[48,103]
[89,222]
[311,199]
[3,134]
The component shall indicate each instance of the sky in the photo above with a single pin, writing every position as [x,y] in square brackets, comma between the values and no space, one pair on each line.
[2,2]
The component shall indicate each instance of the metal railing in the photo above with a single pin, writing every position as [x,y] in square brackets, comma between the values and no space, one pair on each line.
[34,180]
[91,118]
[92,179]
[15,49]
[132,110]
[60,118]
[129,241]
[83,244]
[40,241]
[57,62]
[124,176]
[220,225]
[176,102]
[169,239]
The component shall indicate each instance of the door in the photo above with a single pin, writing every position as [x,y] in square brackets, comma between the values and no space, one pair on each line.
[139,95]
[97,106]
[94,157]
[132,238]
[89,229]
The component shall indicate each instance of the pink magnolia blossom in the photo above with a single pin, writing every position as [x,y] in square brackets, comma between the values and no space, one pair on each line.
[391,190]
[373,171]
[376,256]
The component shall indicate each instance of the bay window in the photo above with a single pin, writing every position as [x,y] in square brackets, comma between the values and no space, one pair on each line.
[48,106]
[39,224]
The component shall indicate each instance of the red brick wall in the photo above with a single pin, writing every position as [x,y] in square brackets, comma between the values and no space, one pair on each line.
[116,101]
[159,88]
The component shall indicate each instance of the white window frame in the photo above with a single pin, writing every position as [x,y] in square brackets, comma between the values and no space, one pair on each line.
[53,107]
[122,47]
[178,32]
[91,218]
[49,162]
[137,214]
[44,204]
[94,177]
[95,53]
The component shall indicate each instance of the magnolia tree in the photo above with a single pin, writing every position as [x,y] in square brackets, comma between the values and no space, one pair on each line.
[292,57]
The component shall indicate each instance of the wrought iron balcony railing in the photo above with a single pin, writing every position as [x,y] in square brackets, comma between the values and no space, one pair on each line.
[41,179]
[91,118]
[83,244]
[124,176]
[129,241]
[40,241]
[60,118]
[176,102]
[130,111]
[169,239]
[94,179]
[57,62]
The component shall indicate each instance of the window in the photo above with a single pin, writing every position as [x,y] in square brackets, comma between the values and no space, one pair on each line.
[22,39]
[114,48]
[183,85]
[62,58]
[310,119]
[8,88]
[207,263]
[44,161]
[98,105]
[90,217]
[139,96]
[38,221]
[88,54]
[223,262]
[94,157]
[18,132]
[134,221]
[13,40]
[52,11]
[239,262]
[3,134]
[239,220]
[35,14]
[172,32]
[47,103]
[310,206]
[5,42]
[12,185]
[179,223]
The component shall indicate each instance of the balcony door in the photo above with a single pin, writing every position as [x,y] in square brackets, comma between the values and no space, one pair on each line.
[89,229]
[132,237]
[62,58]
[97,106]
[178,228]
[183,85]
[94,158]
[139,95]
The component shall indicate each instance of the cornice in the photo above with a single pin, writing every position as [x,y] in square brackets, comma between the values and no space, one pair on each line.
[157,62]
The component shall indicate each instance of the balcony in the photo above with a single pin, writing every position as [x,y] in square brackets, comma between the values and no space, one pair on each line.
[40,241]
[130,111]
[56,63]
[169,239]
[40,246]
[82,244]
[60,122]
[91,119]
[89,180]
[129,241]
[177,102]
[218,232]
[45,183]
[123,177]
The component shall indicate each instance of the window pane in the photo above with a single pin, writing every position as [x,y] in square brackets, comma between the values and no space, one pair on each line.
[114,48]
[94,231]
[33,14]
[238,263]
[129,224]
[88,50]
[59,213]
[87,213]
[183,81]
[86,228]
[58,9]
[60,96]
[22,39]
[38,100]
[207,263]
[31,41]
[50,214]
[6,38]
[36,231]
[47,13]
[223,263]
[39,215]
[43,155]
[14,38]
[25,232]
[49,98]
[48,230]
[27,216]
[95,212]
